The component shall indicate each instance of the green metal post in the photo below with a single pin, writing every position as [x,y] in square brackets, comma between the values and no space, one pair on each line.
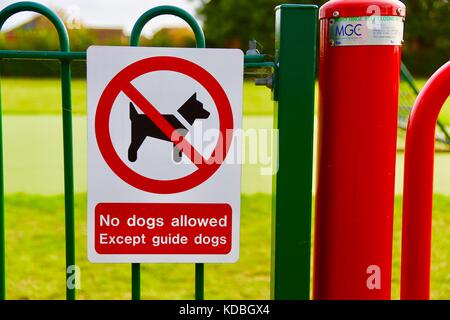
[135,281]
[2,211]
[200,43]
[199,281]
[406,75]
[295,45]
[68,178]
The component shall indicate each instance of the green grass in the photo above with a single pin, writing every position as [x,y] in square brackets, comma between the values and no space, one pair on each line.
[39,96]
[43,96]
[257,100]
[33,157]
[35,256]
[440,264]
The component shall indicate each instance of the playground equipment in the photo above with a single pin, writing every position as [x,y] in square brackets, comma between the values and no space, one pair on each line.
[356,159]
[418,186]
[355,189]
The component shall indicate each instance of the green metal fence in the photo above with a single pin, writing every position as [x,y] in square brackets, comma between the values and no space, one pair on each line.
[293,78]
[67,139]
[408,94]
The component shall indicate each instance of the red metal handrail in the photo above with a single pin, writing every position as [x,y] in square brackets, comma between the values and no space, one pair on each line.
[418,186]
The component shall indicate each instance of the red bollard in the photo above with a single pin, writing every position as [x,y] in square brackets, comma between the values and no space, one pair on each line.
[360,56]
[418,186]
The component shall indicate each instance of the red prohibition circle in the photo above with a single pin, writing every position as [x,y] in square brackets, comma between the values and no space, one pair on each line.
[122,80]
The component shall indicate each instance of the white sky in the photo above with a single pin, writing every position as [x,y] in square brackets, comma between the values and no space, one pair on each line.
[110,13]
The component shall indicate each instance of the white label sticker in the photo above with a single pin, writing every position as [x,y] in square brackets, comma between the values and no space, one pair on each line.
[367,31]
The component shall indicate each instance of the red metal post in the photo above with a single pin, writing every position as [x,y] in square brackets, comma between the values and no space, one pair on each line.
[418,186]
[358,101]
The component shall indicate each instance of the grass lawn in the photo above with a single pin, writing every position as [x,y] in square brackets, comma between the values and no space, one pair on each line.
[35,223]
[39,96]
[35,256]
[33,157]
[42,96]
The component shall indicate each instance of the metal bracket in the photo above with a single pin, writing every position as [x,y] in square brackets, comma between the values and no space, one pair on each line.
[267,81]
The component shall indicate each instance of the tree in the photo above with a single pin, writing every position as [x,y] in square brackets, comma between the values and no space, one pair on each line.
[427,35]
[232,23]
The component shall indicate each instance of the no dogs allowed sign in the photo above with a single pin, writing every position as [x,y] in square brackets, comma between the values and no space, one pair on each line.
[164,152]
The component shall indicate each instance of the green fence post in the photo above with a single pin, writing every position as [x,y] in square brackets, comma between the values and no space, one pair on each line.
[135,281]
[199,281]
[2,210]
[69,204]
[295,45]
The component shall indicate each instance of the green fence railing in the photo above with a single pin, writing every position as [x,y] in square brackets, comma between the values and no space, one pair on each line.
[293,78]
[67,140]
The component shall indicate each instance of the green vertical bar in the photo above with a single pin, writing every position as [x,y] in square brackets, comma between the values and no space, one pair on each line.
[295,44]
[68,179]
[136,267]
[135,281]
[406,75]
[199,281]
[2,211]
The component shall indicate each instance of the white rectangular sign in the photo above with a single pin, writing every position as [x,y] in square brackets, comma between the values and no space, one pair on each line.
[367,31]
[164,154]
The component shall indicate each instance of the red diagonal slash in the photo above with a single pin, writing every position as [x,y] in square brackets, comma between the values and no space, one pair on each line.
[153,114]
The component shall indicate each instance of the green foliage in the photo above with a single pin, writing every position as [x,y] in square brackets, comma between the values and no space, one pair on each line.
[170,37]
[39,68]
[46,39]
[427,35]
[231,23]
[234,22]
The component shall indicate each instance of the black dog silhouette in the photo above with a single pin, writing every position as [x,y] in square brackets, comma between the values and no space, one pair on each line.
[142,126]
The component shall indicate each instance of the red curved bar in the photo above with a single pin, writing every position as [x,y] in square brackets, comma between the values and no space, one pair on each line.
[418,186]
